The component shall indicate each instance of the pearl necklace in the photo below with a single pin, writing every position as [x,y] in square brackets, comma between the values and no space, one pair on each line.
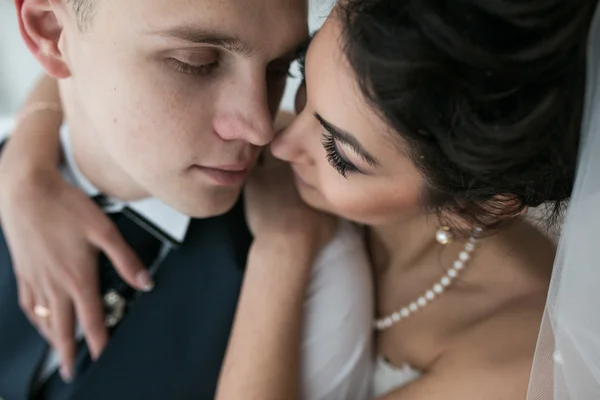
[436,290]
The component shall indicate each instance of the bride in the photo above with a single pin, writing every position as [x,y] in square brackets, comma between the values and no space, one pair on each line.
[435,125]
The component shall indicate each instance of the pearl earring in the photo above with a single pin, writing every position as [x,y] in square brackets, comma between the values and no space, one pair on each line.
[444,235]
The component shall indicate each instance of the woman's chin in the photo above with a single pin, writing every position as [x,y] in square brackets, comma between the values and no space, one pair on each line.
[314,199]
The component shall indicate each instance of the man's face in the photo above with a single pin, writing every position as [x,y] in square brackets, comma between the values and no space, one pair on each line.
[180,94]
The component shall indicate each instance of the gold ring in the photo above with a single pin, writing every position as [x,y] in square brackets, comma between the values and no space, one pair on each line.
[41,311]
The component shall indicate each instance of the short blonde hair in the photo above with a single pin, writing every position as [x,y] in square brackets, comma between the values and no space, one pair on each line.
[84,11]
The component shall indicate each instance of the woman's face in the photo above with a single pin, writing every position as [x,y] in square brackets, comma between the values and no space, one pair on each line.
[346,160]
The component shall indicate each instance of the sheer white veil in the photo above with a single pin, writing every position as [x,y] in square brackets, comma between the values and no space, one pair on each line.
[567,359]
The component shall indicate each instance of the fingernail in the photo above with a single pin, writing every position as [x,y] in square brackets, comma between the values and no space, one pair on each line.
[145,281]
[65,374]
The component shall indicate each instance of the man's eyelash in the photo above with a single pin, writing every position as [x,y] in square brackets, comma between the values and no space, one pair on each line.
[189,69]
[337,161]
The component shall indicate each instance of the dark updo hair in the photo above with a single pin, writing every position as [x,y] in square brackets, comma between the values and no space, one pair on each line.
[488,94]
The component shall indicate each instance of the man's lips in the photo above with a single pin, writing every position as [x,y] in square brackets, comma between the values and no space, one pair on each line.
[223,177]
[245,166]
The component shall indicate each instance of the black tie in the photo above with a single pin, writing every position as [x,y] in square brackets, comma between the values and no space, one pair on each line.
[148,248]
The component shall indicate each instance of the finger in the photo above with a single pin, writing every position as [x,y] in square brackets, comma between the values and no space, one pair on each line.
[42,323]
[62,325]
[27,302]
[108,239]
[89,310]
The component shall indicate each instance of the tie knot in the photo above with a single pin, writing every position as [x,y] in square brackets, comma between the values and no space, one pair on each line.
[144,243]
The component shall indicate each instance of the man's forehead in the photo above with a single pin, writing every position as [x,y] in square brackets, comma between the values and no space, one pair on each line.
[272,26]
[225,11]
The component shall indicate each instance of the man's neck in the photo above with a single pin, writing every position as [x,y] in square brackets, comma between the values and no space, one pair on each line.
[92,160]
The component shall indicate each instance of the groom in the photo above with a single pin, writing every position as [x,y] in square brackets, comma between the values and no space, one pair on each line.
[168,101]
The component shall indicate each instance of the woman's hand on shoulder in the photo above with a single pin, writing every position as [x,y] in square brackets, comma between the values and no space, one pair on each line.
[53,232]
[274,209]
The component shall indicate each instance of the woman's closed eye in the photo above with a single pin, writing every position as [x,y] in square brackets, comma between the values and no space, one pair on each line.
[331,140]
[336,158]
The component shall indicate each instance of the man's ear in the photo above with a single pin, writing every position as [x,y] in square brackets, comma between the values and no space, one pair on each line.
[41,30]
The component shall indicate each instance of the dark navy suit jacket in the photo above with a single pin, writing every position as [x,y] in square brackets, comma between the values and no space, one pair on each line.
[170,345]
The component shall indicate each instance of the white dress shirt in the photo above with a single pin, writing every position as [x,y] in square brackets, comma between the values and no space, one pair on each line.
[337,354]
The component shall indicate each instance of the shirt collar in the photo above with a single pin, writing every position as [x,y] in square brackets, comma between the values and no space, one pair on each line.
[165,218]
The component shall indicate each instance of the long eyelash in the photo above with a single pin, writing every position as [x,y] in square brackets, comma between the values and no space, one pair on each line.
[188,69]
[334,158]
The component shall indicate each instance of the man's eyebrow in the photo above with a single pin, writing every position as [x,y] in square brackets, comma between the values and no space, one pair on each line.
[347,138]
[211,37]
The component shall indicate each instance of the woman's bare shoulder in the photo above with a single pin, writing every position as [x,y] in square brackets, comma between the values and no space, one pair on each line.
[502,340]
[517,260]
[500,347]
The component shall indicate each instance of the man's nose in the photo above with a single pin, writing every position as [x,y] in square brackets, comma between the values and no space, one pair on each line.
[247,116]
[257,131]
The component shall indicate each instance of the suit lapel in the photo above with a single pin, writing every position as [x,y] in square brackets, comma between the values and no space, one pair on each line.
[171,344]
[173,341]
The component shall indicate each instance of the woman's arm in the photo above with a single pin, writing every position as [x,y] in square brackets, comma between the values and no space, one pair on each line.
[34,146]
[263,356]
[54,232]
